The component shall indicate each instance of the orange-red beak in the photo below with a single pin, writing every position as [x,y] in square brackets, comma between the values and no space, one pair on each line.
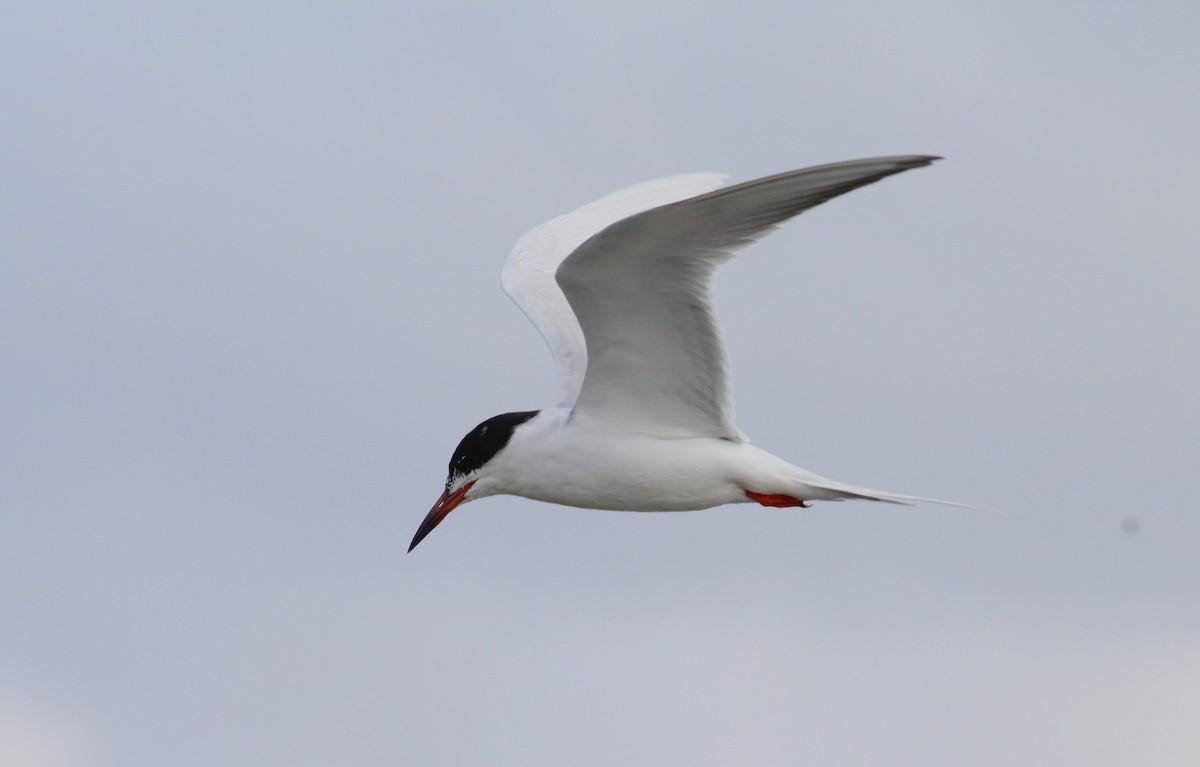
[446,504]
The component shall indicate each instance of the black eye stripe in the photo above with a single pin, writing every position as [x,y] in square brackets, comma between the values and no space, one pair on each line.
[484,441]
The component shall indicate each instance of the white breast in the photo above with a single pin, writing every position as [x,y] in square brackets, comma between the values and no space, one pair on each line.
[577,463]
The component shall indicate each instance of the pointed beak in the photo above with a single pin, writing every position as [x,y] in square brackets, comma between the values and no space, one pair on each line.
[446,504]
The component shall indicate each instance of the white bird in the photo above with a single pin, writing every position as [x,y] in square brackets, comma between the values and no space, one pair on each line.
[622,291]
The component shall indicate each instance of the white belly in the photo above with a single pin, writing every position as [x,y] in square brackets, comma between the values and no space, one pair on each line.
[557,462]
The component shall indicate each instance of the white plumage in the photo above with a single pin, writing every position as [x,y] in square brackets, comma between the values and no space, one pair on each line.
[622,291]
[528,277]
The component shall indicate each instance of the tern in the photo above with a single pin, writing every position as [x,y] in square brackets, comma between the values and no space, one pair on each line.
[622,292]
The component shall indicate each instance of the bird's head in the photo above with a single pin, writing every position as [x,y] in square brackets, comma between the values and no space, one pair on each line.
[469,467]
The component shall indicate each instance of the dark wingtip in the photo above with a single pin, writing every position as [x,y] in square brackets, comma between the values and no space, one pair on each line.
[909,161]
[918,160]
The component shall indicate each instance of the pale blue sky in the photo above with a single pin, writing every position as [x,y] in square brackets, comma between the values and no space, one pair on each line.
[249,302]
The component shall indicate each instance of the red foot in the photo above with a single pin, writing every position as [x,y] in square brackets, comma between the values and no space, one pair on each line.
[778,501]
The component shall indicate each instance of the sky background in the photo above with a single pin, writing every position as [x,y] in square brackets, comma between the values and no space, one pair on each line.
[250,302]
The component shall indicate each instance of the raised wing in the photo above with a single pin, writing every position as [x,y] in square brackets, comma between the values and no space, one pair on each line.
[642,291]
[528,277]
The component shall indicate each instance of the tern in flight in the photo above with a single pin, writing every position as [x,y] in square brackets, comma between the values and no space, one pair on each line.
[622,291]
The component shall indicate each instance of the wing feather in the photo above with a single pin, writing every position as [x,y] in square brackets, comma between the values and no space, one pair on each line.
[642,292]
[528,276]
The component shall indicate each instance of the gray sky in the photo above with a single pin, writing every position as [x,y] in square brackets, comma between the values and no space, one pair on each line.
[249,303]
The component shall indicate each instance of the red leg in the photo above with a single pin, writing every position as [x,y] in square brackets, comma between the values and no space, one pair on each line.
[776,500]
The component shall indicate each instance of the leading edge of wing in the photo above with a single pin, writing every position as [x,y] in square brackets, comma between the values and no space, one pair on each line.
[528,275]
[642,292]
